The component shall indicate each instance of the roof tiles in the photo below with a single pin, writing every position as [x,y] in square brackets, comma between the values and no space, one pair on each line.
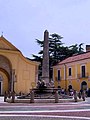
[78,57]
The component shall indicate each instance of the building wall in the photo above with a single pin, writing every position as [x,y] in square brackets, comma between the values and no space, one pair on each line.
[75,79]
[25,71]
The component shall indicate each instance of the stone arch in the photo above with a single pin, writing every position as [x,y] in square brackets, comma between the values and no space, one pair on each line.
[1,77]
[5,64]
[6,72]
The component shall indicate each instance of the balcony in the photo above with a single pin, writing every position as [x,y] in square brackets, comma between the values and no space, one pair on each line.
[82,75]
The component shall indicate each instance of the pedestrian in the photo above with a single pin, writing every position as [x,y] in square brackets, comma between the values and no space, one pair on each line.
[83,95]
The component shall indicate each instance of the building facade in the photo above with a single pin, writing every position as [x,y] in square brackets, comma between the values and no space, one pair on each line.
[17,73]
[73,72]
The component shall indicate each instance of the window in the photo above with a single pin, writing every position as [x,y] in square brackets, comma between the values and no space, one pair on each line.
[83,71]
[58,75]
[70,73]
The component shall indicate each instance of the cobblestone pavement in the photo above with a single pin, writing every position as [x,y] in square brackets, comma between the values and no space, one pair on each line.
[45,111]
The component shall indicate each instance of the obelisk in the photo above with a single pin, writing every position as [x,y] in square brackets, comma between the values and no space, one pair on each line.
[45,63]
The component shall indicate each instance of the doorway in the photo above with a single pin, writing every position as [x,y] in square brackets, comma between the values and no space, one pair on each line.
[70,87]
[5,72]
[4,83]
[84,85]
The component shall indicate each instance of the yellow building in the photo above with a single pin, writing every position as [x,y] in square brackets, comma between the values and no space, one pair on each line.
[16,72]
[73,72]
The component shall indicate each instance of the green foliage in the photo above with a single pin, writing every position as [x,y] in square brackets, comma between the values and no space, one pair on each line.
[40,42]
[81,48]
[57,51]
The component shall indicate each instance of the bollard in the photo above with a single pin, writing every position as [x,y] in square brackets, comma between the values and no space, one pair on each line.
[79,95]
[5,96]
[56,97]
[13,97]
[83,95]
[32,97]
[75,95]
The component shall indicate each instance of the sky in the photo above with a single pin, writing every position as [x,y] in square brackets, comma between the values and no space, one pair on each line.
[24,21]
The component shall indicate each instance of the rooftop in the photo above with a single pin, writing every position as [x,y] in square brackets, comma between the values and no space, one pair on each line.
[85,55]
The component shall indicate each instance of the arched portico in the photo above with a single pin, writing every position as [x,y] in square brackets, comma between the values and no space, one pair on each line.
[5,74]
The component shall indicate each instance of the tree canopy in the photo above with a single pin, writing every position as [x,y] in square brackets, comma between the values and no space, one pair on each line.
[57,50]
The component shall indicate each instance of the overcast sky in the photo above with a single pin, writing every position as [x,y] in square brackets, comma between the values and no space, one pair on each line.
[22,21]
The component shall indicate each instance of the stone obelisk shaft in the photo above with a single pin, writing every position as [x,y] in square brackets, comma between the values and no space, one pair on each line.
[45,64]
